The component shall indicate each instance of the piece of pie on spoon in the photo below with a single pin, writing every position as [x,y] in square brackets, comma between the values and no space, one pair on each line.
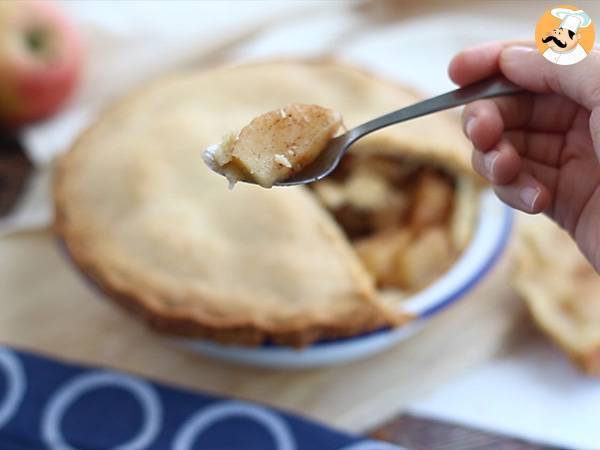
[275,145]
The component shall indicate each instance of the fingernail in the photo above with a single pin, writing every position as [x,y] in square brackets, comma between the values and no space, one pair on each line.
[469,124]
[489,159]
[515,52]
[529,196]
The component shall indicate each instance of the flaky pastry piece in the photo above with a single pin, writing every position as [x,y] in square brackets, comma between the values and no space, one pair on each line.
[561,290]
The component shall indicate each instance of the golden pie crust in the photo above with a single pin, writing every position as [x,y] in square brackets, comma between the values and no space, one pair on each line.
[561,289]
[143,217]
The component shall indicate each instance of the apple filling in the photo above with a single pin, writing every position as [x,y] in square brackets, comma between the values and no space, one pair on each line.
[275,145]
[408,221]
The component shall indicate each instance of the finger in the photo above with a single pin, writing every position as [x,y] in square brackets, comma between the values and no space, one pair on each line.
[542,148]
[482,124]
[532,112]
[500,166]
[476,63]
[525,66]
[546,175]
[550,112]
[525,193]
[595,130]
[485,120]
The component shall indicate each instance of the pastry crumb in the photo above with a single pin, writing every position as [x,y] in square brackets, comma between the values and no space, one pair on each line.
[281,159]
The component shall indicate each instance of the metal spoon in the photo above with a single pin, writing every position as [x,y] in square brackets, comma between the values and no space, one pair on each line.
[328,160]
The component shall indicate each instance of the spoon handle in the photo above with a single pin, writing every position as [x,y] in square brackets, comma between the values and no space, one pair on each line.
[491,87]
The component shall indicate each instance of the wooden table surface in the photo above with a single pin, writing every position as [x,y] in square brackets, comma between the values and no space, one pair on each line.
[409,431]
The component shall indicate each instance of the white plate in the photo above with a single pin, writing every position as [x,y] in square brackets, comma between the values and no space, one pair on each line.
[490,238]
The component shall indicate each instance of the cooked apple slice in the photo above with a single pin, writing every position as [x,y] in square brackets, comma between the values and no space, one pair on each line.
[275,145]
[424,260]
[379,252]
[432,201]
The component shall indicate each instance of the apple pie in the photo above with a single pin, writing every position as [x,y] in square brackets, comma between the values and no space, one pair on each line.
[275,145]
[561,289]
[153,226]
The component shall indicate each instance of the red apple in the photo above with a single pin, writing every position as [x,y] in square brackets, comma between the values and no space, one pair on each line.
[40,60]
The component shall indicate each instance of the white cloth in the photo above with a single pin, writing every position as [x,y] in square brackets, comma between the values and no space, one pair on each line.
[534,393]
[566,58]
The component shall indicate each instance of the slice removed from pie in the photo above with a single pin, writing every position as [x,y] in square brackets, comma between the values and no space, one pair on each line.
[561,289]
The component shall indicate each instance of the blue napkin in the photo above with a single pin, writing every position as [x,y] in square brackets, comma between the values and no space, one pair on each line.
[45,404]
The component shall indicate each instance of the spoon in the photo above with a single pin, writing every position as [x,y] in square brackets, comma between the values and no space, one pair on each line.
[330,157]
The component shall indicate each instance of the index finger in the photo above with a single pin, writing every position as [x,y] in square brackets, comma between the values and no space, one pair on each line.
[477,63]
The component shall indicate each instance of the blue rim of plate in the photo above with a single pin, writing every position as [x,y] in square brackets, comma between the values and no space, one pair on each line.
[464,288]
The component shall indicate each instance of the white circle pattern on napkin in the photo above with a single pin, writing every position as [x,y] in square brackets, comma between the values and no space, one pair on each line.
[205,418]
[15,380]
[75,388]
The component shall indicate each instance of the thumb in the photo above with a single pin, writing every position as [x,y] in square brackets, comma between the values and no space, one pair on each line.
[595,130]
[527,68]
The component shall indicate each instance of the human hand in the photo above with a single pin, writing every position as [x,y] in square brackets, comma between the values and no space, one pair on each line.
[540,149]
